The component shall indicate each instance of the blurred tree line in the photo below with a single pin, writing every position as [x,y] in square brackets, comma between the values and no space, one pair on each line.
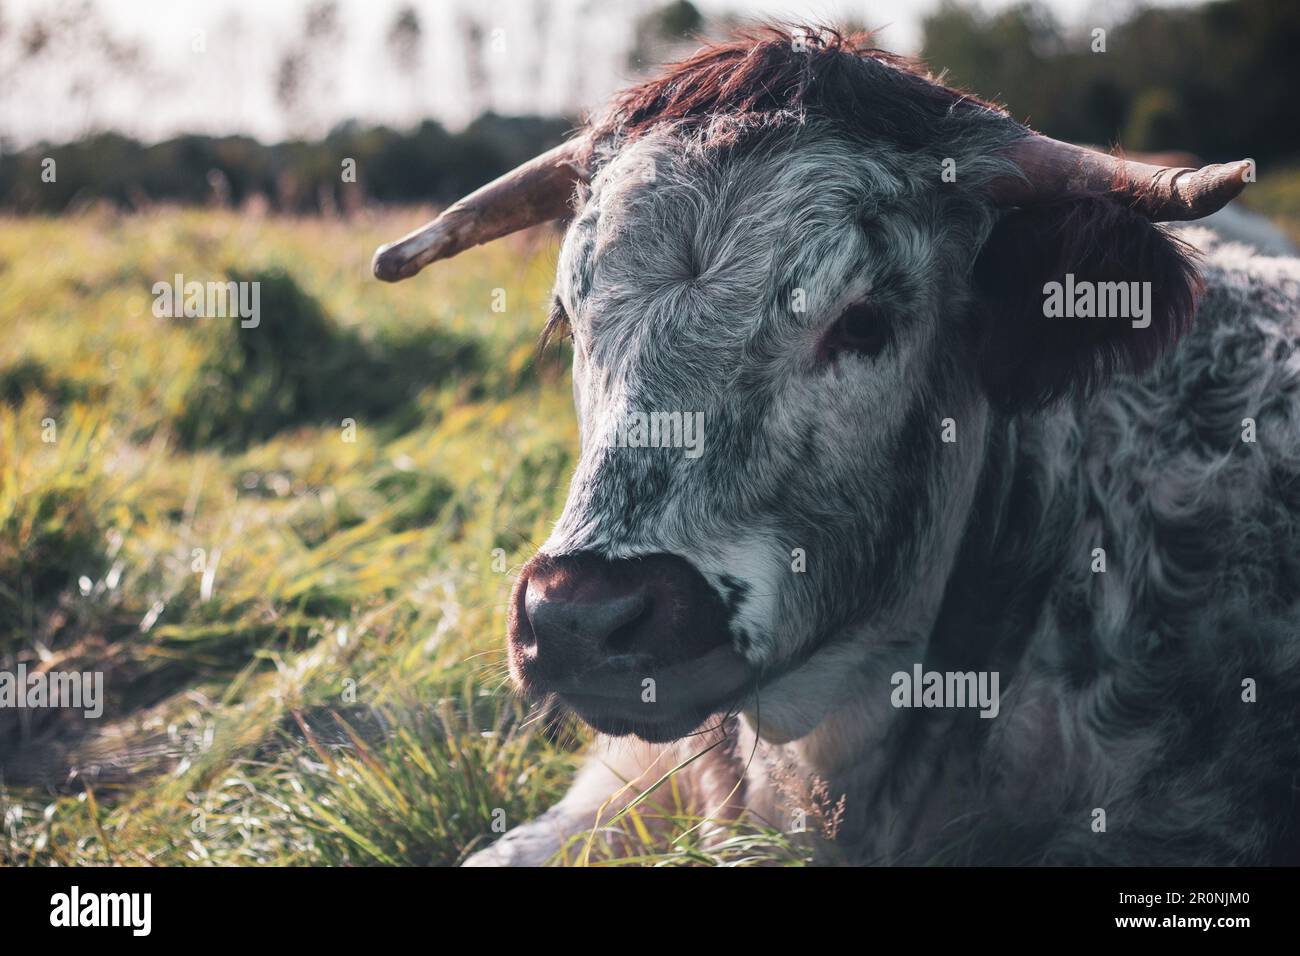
[427,163]
[1216,79]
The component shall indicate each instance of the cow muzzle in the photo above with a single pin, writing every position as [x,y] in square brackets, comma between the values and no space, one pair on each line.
[638,645]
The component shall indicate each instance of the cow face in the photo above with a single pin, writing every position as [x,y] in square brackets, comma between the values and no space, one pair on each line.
[805,285]
[786,358]
[761,373]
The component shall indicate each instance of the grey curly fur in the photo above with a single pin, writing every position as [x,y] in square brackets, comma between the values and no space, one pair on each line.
[1122,691]
[1138,671]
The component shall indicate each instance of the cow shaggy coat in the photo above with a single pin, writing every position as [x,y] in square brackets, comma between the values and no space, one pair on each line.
[1104,513]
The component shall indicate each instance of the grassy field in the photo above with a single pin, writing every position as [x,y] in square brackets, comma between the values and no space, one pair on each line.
[289,549]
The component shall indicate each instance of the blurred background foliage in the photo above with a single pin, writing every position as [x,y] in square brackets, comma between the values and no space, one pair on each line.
[1217,79]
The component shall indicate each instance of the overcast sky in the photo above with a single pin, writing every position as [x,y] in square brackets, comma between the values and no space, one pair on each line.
[211,65]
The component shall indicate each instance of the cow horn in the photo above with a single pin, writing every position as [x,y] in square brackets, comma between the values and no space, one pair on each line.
[1162,193]
[537,191]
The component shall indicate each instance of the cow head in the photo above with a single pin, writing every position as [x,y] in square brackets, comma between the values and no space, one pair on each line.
[802,280]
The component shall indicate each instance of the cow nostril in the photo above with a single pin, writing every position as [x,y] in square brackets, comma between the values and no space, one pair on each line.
[609,622]
[605,625]
[621,638]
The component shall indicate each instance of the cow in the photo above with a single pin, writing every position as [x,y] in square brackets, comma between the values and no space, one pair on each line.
[984,542]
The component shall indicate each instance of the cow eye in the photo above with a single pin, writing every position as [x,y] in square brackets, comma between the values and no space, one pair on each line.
[558,325]
[860,330]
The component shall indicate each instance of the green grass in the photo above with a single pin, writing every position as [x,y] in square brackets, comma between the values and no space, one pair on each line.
[299,623]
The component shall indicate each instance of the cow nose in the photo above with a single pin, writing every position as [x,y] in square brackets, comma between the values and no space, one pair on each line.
[582,613]
[596,622]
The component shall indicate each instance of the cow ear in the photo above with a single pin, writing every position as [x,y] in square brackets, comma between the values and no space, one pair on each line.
[1038,333]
